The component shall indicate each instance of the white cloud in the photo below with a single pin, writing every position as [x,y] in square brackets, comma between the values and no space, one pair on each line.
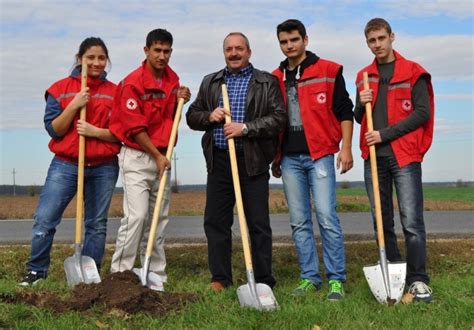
[456,97]
[40,38]
[454,8]
[446,127]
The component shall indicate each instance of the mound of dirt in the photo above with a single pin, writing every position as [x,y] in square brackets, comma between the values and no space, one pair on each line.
[118,293]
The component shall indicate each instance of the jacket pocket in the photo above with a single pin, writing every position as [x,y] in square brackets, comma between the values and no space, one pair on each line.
[403,102]
[318,96]
[268,149]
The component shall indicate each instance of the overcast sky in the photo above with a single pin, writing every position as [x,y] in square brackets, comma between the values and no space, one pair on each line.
[39,40]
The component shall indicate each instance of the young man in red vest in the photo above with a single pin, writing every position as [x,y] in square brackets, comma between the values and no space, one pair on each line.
[142,118]
[319,116]
[403,114]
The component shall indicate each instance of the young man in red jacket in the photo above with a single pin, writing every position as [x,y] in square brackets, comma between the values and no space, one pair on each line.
[403,115]
[320,115]
[142,119]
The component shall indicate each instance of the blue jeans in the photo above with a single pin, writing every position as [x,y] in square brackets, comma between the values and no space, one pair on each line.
[409,190]
[303,177]
[60,187]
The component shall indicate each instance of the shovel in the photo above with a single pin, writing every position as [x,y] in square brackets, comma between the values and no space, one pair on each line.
[151,280]
[386,279]
[255,295]
[79,268]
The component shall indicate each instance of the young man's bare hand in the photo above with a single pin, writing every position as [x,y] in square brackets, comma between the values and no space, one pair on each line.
[365,96]
[162,164]
[185,93]
[344,161]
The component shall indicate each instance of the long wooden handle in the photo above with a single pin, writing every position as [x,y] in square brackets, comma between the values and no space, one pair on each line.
[373,169]
[238,194]
[80,162]
[164,178]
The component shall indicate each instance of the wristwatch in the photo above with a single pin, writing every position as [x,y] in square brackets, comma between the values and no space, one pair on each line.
[245,130]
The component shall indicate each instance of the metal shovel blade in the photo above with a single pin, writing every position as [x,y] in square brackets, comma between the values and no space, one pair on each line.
[396,279]
[261,298]
[80,269]
[153,281]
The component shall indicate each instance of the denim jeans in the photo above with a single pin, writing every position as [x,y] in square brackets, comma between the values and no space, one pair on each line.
[304,178]
[60,187]
[409,190]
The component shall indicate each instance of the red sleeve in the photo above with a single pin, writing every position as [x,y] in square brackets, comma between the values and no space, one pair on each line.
[128,116]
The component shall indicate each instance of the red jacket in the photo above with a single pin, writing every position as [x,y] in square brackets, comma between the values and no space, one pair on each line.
[140,105]
[98,112]
[315,94]
[410,147]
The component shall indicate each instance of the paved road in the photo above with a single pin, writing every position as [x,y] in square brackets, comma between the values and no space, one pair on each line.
[357,225]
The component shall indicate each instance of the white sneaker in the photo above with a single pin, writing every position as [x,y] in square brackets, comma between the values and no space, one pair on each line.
[421,291]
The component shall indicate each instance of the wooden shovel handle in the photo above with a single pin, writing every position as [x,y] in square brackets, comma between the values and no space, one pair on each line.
[80,162]
[373,169]
[164,179]
[237,191]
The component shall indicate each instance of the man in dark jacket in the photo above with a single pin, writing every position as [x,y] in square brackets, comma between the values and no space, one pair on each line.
[258,116]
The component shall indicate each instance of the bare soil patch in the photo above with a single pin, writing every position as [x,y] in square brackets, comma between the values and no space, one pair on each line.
[119,294]
[193,203]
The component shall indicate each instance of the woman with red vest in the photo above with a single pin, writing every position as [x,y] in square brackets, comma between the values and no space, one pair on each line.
[63,101]
[403,116]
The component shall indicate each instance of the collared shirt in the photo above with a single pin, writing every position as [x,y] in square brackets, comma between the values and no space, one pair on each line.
[237,86]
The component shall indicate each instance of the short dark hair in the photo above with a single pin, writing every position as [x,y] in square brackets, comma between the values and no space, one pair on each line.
[377,24]
[160,35]
[291,25]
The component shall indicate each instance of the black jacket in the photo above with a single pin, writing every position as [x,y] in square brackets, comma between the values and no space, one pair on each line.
[265,117]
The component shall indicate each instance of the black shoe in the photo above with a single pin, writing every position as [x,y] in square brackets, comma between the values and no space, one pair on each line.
[32,278]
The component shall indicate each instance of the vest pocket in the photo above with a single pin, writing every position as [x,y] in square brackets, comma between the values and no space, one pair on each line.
[319,97]
[403,101]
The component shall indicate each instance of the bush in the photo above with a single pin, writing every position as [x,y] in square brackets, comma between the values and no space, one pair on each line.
[345,184]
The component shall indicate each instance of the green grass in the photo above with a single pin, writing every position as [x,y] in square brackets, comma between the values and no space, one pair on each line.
[352,207]
[351,192]
[462,194]
[450,267]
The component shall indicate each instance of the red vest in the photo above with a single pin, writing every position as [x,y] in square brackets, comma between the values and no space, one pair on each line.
[315,94]
[410,147]
[98,112]
[140,105]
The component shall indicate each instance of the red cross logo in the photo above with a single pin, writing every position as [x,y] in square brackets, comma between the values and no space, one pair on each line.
[406,105]
[131,104]
[321,97]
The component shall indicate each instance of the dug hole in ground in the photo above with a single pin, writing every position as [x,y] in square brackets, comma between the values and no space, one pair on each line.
[120,293]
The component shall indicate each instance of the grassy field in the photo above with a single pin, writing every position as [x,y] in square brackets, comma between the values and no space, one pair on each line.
[193,202]
[450,267]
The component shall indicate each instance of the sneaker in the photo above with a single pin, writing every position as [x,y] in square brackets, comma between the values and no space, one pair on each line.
[305,286]
[32,278]
[421,291]
[336,291]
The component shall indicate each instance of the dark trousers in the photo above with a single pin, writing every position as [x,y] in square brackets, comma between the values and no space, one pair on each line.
[218,219]
[408,185]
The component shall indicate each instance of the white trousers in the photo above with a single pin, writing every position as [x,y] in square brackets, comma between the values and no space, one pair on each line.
[140,185]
